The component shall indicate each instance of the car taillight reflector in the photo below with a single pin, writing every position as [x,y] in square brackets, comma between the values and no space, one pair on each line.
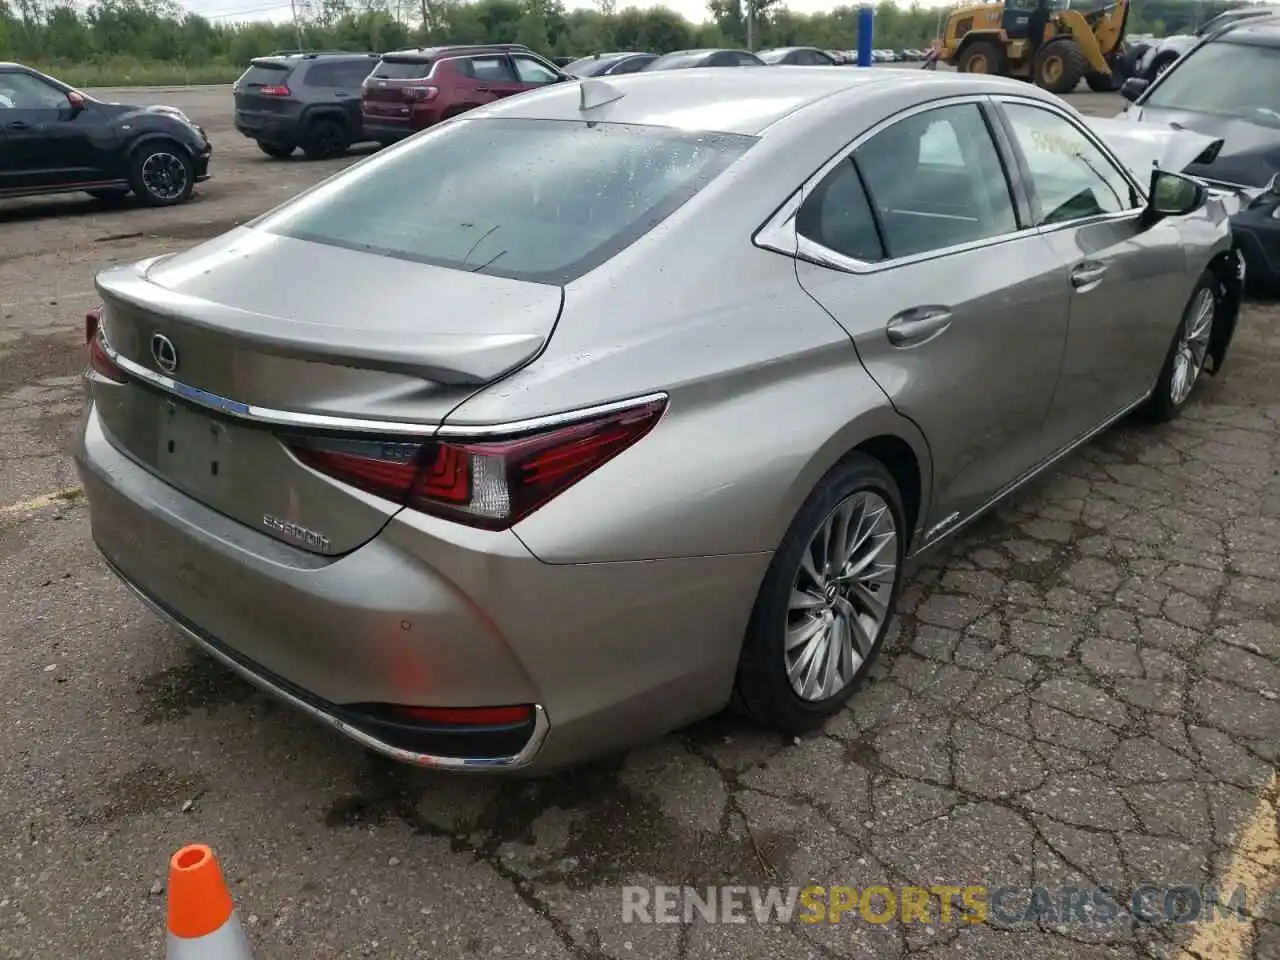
[491,484]
[100,361]
[466,716]
[274,90]
[420,93]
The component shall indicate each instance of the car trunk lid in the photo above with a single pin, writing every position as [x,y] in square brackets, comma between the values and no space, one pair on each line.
[384,89]
[263,88]
[254,337]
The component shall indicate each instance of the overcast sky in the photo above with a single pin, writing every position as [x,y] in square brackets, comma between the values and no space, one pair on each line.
[695,10]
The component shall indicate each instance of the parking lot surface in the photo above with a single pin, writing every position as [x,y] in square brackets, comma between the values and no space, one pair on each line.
[1084,690]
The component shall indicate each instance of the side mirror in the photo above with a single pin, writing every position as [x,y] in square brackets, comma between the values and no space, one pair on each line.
[77,101]
[1173,195]
[1133,88]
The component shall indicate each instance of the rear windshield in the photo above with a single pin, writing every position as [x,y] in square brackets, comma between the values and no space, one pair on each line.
[264,75]
[538,200]
[402,69]
[678,61]
[590,66]
[1228,79]
[772,56]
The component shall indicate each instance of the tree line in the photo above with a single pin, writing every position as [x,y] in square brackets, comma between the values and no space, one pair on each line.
[139,41]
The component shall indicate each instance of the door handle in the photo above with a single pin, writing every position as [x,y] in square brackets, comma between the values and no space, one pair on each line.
[918,325]
[1087,275]
[18,125]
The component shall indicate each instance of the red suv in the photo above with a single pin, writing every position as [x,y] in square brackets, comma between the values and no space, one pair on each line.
[410,90]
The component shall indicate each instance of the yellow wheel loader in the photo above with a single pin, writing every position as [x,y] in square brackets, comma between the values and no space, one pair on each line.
[1048,44]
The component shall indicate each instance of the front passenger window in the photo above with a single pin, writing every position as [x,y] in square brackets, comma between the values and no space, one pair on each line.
[936,180]
[1071,177]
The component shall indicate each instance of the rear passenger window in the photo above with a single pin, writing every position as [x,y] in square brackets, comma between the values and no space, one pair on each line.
[935,180]
[838,216]
[352,75]
[490,69]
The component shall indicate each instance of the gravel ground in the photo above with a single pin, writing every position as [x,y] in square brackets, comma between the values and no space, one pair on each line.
[1083,691]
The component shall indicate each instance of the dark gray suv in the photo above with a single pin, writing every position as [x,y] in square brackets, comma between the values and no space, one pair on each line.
[303,99]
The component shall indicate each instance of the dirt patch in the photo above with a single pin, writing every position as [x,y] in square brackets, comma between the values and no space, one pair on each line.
[33,358]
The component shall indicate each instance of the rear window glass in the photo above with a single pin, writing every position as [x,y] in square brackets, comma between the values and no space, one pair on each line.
[538,200]
[590,66]
[264,75]
[678,61]
[402,69]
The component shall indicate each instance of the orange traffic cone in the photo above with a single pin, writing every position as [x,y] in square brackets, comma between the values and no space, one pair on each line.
[202,919]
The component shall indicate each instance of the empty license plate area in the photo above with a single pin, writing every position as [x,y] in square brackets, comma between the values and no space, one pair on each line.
[195,451]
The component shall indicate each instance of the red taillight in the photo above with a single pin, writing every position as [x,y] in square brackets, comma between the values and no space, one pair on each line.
[419,94]
[99,360]
[274,90]
[485,483]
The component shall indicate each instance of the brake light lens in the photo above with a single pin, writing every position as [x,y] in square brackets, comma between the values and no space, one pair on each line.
[492,484]
[100,361]
[274,90]
[420,94]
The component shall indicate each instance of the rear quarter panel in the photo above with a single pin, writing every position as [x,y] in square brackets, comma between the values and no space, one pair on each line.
[766,390]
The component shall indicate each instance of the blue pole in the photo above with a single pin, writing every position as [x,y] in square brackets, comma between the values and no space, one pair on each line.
[866,21]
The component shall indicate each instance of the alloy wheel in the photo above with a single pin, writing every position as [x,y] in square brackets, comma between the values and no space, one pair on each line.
[1193,347]
[840,596]
[164,175]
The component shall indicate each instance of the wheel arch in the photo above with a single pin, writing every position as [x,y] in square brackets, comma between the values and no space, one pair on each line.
[324,111]
[153,136]
[889,438]
[1225,267]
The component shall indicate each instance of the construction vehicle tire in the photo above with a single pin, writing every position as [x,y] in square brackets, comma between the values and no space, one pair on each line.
[1059,66]
[982,56]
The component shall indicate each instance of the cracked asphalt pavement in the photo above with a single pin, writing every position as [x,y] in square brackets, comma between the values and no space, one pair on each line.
[1082,690]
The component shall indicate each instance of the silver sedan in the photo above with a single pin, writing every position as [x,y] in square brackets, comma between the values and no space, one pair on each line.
[575,419]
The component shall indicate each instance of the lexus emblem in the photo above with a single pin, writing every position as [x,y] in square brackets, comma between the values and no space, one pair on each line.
[164,352]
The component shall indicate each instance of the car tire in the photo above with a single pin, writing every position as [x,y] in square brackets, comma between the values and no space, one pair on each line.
[1160,65]
[325,139]
[1188,353]
[1132,58]
[277,150]
[1059,66]
[161,174]
[984,54]
[790,688]
[1104,82]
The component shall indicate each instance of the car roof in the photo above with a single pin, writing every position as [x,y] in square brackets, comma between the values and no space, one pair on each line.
[1260,31]
[285,57]
[435,53]
[740,101]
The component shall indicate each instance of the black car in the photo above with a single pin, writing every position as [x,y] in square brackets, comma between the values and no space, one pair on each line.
[797,57]
[303,99]
[1228,88]
[56,139]
[609,64]
[687,59]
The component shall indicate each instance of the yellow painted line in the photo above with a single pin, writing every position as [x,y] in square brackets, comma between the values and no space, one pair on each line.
[1255,865]
[44,500]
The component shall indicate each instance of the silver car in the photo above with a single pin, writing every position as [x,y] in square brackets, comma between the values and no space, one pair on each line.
[571,421]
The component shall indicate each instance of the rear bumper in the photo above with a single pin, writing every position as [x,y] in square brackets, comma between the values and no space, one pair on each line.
[273,129]
[384,131]
[431,614]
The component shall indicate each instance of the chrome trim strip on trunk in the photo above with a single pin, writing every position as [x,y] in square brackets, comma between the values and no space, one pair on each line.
[323,421]
[541,726]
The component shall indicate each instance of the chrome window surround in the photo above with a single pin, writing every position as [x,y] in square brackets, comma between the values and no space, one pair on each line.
[779,233]
[268,416]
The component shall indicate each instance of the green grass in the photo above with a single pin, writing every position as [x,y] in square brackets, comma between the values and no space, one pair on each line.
[126,72]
